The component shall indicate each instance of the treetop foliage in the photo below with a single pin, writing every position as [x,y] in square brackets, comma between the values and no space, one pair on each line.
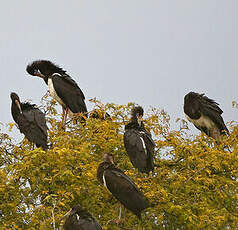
[194,184]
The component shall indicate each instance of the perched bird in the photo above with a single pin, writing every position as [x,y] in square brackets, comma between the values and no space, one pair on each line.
[61,86]
[205,114]
[100,114]
[121,186]
[138,142]
[80,219]
[31,121]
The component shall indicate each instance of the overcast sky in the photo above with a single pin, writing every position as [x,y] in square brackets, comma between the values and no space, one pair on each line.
[150,52]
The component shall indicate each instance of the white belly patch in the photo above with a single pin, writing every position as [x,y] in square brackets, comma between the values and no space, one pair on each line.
[53,92]
[203,121]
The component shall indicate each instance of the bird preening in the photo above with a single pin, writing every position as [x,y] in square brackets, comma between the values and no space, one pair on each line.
[78,218]
[202,111]
[138,142]
[30,120]
[205,114]
[121,187]
[61,87]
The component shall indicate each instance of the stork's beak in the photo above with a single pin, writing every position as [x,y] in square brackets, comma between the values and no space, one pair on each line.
[111,160]
[18,105]
[38,74]
[66,214]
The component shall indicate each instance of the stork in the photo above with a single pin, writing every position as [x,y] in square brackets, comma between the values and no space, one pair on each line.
[79,218]
[31,121]
[61,86]
[121,186]
[205,114]
[138,142]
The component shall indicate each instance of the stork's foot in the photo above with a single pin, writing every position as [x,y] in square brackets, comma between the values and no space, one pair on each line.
[118,221]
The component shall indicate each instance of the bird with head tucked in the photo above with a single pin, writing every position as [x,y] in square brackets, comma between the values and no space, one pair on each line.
[61,86]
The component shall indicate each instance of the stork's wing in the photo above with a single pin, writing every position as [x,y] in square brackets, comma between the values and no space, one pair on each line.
[150,147]
[214,113]
[31,129]
[97,225]
[135,148]
[36,118]
[70,81]
[210,104]
[118,172]
[69,92]
[148,138]
[92,225]
[125,190]
[140,147]
[40,120]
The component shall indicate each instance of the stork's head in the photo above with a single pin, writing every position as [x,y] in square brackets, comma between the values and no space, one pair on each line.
[107,157]
[137,114]
[16,100]
[43,69]
[76,208]
[72,211]
[191,96]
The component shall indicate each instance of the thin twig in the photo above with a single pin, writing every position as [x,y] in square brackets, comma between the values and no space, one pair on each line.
[62,219]
[53,216]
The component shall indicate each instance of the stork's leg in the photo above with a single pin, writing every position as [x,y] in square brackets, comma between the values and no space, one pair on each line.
[119,220]
[119,217]
[124,213]
[64,115]
[122,210]
[215,133]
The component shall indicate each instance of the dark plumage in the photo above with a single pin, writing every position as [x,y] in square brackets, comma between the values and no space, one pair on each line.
[138,142]
[80,219]
[205,114]
[121,186]
[31,121]
[100,114]
[61,86]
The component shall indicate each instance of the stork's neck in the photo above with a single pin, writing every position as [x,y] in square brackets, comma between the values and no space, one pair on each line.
[56,74]
[46,79]
[134,124]
[101,168]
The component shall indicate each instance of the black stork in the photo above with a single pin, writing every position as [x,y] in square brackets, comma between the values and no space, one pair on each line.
[138,142]
[205,114]
[61,86]
[80,219]
[31,121]
[121,187]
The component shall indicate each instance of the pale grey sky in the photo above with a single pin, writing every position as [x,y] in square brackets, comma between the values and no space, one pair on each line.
[150,52]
